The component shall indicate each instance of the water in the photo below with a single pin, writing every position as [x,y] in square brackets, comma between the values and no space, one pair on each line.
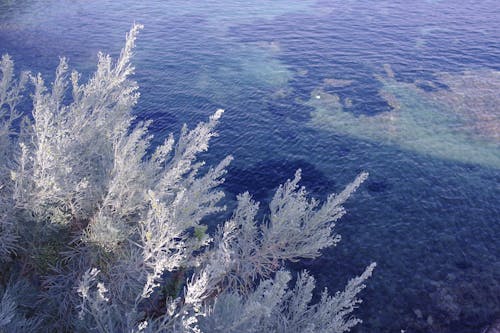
[407,91]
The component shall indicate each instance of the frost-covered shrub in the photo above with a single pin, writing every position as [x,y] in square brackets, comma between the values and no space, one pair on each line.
[99,235]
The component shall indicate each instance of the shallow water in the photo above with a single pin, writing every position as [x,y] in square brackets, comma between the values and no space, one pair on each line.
[387,74]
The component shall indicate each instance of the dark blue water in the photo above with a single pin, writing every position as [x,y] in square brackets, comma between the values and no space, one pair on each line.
[429,214]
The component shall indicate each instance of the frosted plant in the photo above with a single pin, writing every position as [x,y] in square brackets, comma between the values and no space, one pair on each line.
[110,237]
[10,96]
[273,307]
[12,319]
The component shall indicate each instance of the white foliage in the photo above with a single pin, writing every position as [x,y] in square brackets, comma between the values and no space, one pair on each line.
[331,313]
[10,96]
[235,313]
[7,309]
[117,235]
[74,145]
[11,317]
[273,307]
[95,303]
[298,228]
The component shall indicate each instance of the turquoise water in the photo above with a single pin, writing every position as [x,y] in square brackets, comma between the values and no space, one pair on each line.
[408,92]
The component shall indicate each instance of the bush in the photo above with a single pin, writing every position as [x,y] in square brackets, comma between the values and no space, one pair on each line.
[97,234]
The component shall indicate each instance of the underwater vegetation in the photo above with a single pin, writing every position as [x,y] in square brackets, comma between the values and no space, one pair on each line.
[456,120]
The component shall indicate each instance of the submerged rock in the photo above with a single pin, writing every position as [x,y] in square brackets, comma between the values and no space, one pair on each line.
[475,97]
[458,119]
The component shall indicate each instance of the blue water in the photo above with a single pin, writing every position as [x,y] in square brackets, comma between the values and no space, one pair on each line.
[429,214]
